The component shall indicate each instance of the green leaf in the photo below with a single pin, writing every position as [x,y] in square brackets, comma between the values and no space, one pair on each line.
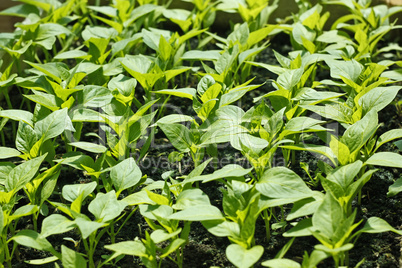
[53,125]
[388,136]
[337,112]
[198,213]
[134,248]
[6,152]
[283,186]
[201,55]
[106,207]
[378,98]
[360,132]
[73,191]
[87,227]
[96,96]
[283,263]
[395,188]
[385,159]
[242,257]
[348,69]
[56,224]
[23,211]
[89,146]
[188,93]
[328,216]
[161,235]
[173,246]
[71,258]
[30,238]
[191,198]
[228,171]
[376,225]
[180,137]
[22,174]
[26,138]
[345,175]
[18,115]
[124,175]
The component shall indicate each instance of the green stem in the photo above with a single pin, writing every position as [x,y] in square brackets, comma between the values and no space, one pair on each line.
[267,225]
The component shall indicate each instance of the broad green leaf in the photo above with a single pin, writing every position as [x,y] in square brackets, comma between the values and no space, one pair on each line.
[6,152]
[328,216]
[198,213]
[174,118]
[161,235]
[201,55]
[242,257]
[360,132]
[173,246]
[290,78]
[72,54]
[338,112]
[340,150]
[96,96]
[395,188]
[133,248]
[77,160]
[20,10]
[283,186]
[320,149]
[345,175]
[388,136]
[23,211]
[87,227]
[377,225]
[188,93]
[56,224]
[138,198]
[385,159]
[348,69]
[299,32]
[22,174]
[30,238]
[42,261]
[283,263]
[180,137]
[71,258]
[191,198]
[306,206]
[106,207]
[89,146]
[53,125]
[18,115]
[26,138]
[73,191]
[124,175]
[228,171]
[378,98]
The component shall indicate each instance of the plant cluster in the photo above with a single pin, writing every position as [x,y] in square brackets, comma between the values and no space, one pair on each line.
[87,89]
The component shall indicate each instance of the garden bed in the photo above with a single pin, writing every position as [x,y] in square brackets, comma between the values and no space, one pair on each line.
[137,134]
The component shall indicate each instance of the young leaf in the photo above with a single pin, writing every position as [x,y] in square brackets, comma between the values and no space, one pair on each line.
[385,159]
[180,137]
[124,175]
[53,125]
[106,207]
[56,224]
[22,174]
[71,192]
[242,257]
[71,258]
